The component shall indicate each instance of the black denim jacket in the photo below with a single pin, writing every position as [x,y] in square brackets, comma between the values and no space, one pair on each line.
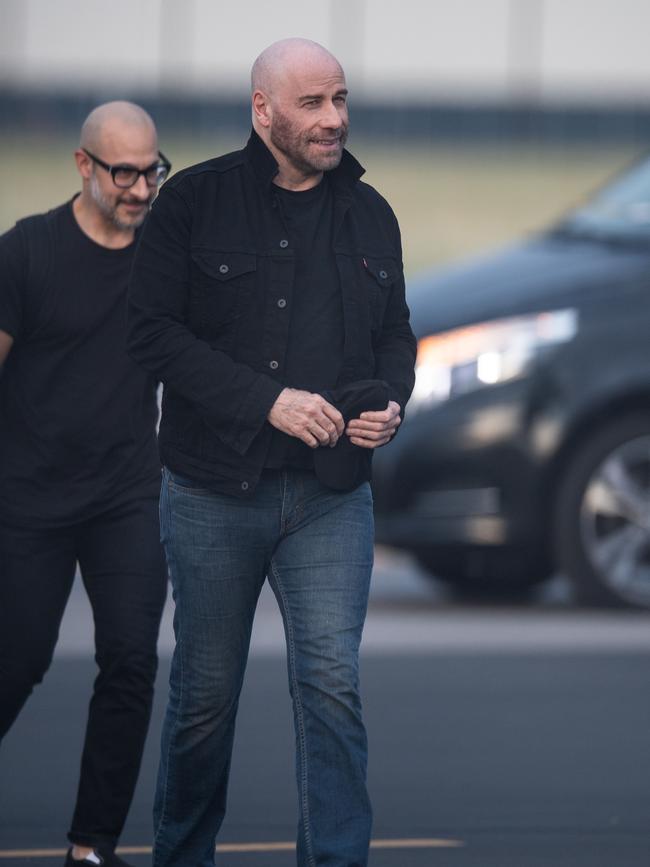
[210,302]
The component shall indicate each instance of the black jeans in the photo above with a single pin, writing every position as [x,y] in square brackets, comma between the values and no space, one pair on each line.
[124,573]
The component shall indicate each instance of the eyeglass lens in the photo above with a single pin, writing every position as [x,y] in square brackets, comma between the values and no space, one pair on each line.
[126,177]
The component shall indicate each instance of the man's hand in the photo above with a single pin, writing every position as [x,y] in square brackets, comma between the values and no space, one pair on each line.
[374,429]
[307,416]
[6,342]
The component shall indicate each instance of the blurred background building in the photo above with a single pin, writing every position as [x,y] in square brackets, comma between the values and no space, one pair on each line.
[479,119]
[446,68]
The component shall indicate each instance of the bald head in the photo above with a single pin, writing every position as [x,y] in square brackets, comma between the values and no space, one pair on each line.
[119,118]
[299,108]
[115,134]
[282,59]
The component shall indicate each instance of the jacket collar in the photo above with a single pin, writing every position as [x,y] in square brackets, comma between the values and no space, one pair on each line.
[264,164]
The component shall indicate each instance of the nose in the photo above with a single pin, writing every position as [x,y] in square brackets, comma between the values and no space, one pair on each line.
[141,189]
[332,118]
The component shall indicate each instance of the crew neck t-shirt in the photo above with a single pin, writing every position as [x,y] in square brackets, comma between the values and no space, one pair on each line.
[315,347]
[77,416]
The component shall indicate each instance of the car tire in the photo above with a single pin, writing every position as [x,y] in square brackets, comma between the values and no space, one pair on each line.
[602,516]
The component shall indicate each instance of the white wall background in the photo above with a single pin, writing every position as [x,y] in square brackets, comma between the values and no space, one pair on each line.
[472,50]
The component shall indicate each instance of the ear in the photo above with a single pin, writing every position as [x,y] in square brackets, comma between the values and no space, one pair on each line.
[84,164]
[262,110]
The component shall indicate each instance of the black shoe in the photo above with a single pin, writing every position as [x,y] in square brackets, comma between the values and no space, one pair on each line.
[100,857]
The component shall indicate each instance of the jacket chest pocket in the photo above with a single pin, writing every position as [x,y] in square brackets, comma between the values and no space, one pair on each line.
[380,275]
[223,285]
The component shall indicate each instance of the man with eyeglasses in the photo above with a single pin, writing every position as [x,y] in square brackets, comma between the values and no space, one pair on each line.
[79,468]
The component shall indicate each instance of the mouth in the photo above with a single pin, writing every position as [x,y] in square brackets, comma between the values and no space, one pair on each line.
[135,206]
[327,142]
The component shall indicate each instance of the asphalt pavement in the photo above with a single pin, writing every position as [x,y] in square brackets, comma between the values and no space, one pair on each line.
[511,736]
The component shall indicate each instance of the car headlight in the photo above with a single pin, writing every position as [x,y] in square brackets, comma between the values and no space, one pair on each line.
[458,361]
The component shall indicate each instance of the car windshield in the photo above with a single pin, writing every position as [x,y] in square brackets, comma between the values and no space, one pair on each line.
[619,210]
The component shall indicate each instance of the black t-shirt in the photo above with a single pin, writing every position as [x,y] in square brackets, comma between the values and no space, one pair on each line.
[77,416]
[315,346]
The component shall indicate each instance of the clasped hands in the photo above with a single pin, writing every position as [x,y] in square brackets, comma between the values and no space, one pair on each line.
[314,420]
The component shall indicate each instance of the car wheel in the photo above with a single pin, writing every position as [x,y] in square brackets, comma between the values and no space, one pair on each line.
[602,516]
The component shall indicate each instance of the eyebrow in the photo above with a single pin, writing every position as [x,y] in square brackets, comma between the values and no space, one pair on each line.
[342,92]
[133,167]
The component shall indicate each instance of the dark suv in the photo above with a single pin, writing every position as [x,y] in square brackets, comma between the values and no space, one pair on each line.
[526,443]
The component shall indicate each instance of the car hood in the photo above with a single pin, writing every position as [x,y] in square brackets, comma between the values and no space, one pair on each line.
[544,273]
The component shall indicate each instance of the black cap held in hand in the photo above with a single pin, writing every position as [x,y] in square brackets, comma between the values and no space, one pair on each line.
[345,466]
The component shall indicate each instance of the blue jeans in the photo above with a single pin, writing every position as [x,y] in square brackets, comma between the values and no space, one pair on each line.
[316,547]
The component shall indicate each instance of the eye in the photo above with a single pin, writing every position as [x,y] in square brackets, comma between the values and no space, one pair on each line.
[125,174]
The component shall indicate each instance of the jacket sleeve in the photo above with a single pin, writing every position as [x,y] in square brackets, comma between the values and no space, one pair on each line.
[233,399]
[396,348]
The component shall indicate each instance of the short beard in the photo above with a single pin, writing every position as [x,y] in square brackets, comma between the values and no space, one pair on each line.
[294,146]
[109,211]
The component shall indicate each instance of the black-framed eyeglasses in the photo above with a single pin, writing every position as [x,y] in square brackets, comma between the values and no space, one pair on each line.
[125,176]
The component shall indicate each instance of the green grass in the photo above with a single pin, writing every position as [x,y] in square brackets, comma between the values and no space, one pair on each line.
[450,202]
